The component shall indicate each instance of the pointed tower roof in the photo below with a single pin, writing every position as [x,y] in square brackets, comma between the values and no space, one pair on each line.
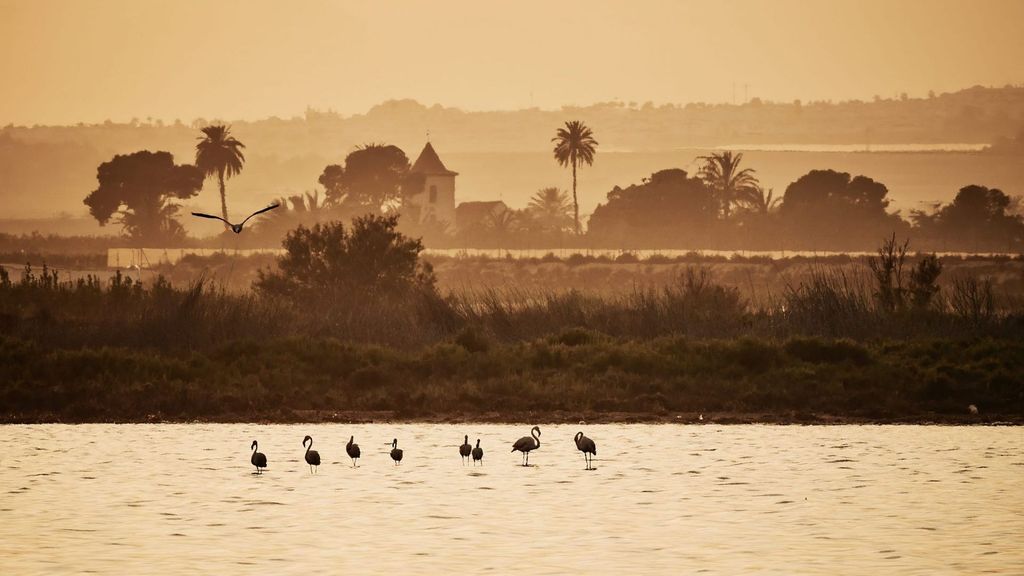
[429,164]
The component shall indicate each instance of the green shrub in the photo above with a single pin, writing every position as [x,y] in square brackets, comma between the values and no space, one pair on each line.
[473,340]
[819,351]
[576,336]
[367,378]
[753,355]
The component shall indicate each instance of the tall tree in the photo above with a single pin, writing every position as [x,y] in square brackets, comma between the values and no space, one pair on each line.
[139,188]
[979,217]
[721,171]
[218,152]
[757,200]
[575,146]
[371,181]
[668,209]
[829,210]
[551,210]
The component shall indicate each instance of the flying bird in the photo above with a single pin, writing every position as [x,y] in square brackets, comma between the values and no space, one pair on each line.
[587,446]
[259,459]
[396,452]
[528,443]
[352,449]
[465,449]
[237,228]
[478,454]
[312,456]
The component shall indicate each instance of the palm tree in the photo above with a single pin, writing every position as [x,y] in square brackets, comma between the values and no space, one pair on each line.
[758,200]
[551,209]
[574,146]
[502,222]
[219,153]
[722,174]
[308,203]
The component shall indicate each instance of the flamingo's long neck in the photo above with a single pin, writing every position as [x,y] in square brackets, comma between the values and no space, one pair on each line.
[536,436]
[310,445]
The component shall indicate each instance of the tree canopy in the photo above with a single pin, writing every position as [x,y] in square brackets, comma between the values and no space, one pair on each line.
[139,188]
[372,180]
[978,216]
[369,259]
[667,208]
[830,206]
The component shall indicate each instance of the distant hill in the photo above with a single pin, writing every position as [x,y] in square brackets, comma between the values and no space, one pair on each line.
[49,169]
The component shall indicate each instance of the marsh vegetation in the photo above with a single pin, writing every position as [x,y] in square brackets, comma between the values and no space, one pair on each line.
[351,320]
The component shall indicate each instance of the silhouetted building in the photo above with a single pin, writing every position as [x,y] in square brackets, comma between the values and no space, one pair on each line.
[437,199]
[470,215]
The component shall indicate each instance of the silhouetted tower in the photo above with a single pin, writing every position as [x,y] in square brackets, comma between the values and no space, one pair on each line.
[437,198]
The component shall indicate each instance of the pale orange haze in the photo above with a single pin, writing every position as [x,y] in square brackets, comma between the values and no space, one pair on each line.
[65,61]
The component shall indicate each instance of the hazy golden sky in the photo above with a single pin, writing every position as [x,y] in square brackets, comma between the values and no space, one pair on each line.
[64,61]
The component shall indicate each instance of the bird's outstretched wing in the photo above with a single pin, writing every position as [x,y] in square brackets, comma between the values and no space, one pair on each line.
[261,211]
[212,217]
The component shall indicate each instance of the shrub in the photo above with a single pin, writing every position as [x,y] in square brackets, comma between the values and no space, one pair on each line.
[924,282]
[753,355]
[819,351]
[973,299]
[367,377]
[576,337]
[371,260]
[473,340]
[576,259]
[887,269]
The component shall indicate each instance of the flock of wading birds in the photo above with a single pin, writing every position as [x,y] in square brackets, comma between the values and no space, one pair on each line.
[526,444]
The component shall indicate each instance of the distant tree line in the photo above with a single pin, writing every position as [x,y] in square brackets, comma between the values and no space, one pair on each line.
[722,206]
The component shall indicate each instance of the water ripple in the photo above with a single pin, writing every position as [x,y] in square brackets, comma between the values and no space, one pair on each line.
[750,499]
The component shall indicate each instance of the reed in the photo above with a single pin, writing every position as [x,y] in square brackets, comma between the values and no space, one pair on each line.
[827,302]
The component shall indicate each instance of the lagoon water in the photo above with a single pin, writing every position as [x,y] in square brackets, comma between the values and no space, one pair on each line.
[664,499]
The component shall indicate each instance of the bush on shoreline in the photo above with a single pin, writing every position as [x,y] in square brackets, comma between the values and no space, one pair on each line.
[280,379]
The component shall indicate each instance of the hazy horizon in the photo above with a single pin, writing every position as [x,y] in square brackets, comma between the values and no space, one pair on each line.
[70,62]
[203,120]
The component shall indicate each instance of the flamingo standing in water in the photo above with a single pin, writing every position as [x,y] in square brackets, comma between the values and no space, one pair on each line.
[465,450]
[352,449]
[259,459]
[396,452]
[478,454]
[587,446]
[528,443]
[312,456]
